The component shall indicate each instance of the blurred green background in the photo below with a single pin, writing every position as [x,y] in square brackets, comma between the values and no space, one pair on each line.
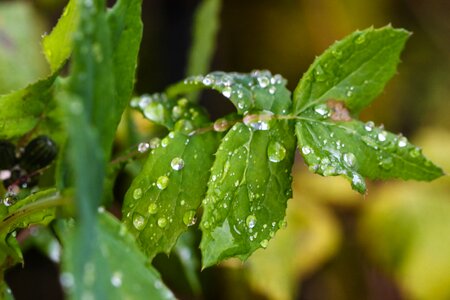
[393,243]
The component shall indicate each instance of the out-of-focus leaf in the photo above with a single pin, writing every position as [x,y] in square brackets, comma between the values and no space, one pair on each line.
[407,234]
[258,91]
[116,269]
[163,199]
[206,26]
[5,291]
[21,59]
[353,70]
[311,237]
[353,149]
[248,190]
[58,44]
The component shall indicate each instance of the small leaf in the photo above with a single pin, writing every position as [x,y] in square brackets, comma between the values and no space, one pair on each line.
[206,26]
[170,113]
[354,149]
[57,45]
[248,190]
[163,199]
[115,269]
[258,91]
[354,70]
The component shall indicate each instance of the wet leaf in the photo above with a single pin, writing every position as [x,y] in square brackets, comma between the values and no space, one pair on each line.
[115,269]
[356,150]
[248,190]
[257,91]
[58,44]
[353,70]
[163,199]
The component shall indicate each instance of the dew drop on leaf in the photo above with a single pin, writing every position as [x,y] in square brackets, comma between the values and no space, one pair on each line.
[177,163]
[258,121]
[137,193]
[263,81]
[162,222]
[227,92]
[306,150]
[415,152]
[369,126]
[360,39]
[162,182]
[349,159]
[402,142]
[322,109]
[386,163]
[165,142]
[143,147]
[152,208]
[220,125]
[154,112]
[138,221]
[189,218]
[264,243]
[154,142]
[276,152]
[250,221]
[382,136]
[116,279]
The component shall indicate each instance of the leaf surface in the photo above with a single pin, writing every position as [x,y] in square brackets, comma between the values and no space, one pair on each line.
[163,199]
[248,190]
[353,70]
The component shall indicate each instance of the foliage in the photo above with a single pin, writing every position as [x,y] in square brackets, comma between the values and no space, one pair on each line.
[234,173]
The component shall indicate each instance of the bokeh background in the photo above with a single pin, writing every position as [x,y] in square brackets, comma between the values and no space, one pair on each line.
[392,243]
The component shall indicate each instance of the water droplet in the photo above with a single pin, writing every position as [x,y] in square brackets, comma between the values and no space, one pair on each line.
[162,222]
[221,125]
[272,90]
[258,121]
[250,221]
[177,112]
[165,141]
[370,142]
[350,91]
[263,81]
[154,142]
[276,152]
[177,163]
[189,218]
[67,281]
[264,243]
[10,199]
[138,221]
[349,159]
[184,126]
[162,182]
[386,163]
[358,183]
[137,193]
[306,150]
[152,208]
[143,147]
[116,279]
[402,142]
[382,136]
[282,224]
[369,126]
[319,73]
[322,109]
[227,92]
[336,53]
[208,80]
[154,112]
[360,39]
[329,170]
[415,152]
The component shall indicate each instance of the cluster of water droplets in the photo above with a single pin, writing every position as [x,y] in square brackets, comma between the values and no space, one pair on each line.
[240,88]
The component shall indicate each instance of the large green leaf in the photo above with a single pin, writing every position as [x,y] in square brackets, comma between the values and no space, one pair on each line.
[204,33]
[116,269]
[21,59]
[355,149]
[354,70]
[258,91]
[248,190]
[163,199]
[58,44]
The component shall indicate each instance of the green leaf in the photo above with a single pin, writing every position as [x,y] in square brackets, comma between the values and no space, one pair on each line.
[355,149]
[5,291]
[38,208]
[24,109]
[206,26]
[353,70]
[179,115]
[248,92]
[116,269]
[248,190]
[163,199]
[57,45]
[21,60]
